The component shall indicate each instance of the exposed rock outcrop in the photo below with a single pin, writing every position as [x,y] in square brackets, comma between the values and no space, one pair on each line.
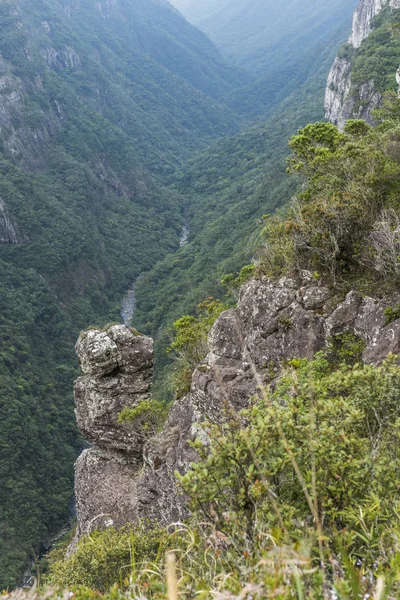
[341,103]
[9,233]
[364,13]
[64,59]
[126,477]
[118,367]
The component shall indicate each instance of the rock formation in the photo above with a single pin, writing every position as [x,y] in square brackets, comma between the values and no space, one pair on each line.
[340,103]
[398,81]
[364,13]
[125,477]
[9,233]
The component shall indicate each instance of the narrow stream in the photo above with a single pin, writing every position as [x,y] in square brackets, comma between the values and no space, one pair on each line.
[128,305]
[128,302]
[183,240]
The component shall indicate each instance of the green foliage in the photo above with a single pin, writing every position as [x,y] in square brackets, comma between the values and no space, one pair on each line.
[313,145]
[189,345]
[345,217]
[233,284]
[230,187]
[296,497]
[111,101]
[108,557]
[38,441]
[315,460]
[285,322]
[344,348]
[147,418]
[392,313]
[107,109]
[378,57]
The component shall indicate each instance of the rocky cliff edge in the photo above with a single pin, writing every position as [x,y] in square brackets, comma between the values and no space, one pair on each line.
[340,104]
[125,477]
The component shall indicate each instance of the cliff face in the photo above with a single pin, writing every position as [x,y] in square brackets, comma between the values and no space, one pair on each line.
[340,103]
[364,13]
[9,233]
[126,477]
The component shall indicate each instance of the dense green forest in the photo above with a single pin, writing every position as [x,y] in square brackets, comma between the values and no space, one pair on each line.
[94,116]
[102,106]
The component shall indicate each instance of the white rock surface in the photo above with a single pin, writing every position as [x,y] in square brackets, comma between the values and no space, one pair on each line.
[339,104]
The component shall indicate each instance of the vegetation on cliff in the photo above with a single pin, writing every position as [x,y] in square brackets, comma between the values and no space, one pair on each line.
[375,62]
[295,497]
[102,103]
[96,109]
[377,59]
[345,221]
[228,188]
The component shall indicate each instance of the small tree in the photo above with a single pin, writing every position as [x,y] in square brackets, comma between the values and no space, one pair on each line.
[189,345]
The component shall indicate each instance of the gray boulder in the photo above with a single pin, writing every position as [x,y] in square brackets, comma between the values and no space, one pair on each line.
[118,367]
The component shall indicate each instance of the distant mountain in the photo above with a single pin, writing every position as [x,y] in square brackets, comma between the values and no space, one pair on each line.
[279,42]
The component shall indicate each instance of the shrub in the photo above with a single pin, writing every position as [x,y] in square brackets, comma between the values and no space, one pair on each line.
[392,313]
[315,462]
[146,419]
[108,557]
[344,348]
[345,219]
[233,284]
[296,497]
[189,345]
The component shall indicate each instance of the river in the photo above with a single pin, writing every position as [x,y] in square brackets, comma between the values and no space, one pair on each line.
[128,302]
[128,305]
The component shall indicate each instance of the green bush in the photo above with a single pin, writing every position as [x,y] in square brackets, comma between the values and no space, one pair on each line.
[147,418]
[189,344]
[392,313]
[344,221]
[105,558]
[344,348]
[296,497]
[315,462]
[233,284]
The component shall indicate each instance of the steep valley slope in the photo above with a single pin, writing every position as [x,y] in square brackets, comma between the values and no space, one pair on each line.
[102,104]
[227,190]
[279,42]
[100,101]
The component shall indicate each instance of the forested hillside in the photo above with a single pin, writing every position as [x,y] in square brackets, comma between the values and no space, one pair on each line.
[99,102]
[227,190]
[264,37]
[102,105]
